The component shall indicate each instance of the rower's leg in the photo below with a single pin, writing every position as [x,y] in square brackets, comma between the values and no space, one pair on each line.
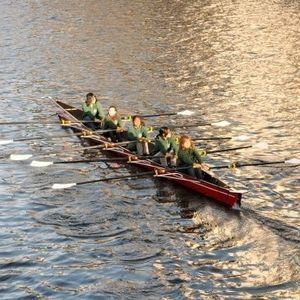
[191,172]
[163,162]
[89,122]
[198,173]
[139,148]
[173,161]
[146,148]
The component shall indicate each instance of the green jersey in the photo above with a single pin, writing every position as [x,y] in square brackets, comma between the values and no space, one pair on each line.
[187,157]
[135,133]
[112,123]
[93,110]
[165,145]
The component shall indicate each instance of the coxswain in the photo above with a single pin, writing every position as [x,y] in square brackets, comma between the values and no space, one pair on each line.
[165,147]
[113,121]
[93,112]
[138,132]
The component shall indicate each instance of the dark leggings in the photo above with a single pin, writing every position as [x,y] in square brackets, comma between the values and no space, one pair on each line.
[194,172]
[115,136]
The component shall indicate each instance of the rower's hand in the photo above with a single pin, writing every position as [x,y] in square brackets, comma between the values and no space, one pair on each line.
[142,140]
[205,167]
[109,145]
[169,155]
[119,129]
[196,166]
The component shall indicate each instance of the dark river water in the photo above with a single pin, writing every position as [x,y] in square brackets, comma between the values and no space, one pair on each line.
[225,60]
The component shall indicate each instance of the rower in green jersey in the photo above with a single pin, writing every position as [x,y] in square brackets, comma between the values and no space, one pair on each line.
[189,156]
[138,132]
[165,147]
[113,121]
[93,112]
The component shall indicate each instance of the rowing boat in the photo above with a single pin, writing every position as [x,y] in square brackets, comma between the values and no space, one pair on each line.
[210,186]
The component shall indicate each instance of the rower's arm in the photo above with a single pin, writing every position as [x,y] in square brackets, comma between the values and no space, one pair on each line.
[100,110]
[120,122]
[162,145]
[87,111]
[197,156]
[145,132]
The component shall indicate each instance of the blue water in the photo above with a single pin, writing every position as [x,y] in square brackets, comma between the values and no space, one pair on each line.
[144,238]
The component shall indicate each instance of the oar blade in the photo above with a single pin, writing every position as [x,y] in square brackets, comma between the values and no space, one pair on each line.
[241,138]
[59,186]
[5,142]
[221,124]
[239,191]
[293,161]
[186,113]
[261,146]
[20,156]
[40,164]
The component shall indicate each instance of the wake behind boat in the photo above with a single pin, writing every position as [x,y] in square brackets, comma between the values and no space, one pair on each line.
[210,186]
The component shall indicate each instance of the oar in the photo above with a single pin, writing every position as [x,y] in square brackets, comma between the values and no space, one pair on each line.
[36,163]
[107,145]
[234,138]
[228,149]
[26,122]
[182,113]
[62,122]
[218,124]
[85,133]
[293,161]
[261,146]
[68,185]
[38,122]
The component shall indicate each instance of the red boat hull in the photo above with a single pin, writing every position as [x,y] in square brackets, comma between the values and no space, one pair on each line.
[217,191]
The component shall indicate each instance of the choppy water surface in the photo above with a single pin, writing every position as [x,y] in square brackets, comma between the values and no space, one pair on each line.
[225,60]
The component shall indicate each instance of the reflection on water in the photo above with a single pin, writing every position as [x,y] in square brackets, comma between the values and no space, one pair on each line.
[225,60]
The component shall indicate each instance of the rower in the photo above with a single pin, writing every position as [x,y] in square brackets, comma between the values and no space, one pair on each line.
[113,121]
[189,156]
[138,132]
[93,112]
[165,147]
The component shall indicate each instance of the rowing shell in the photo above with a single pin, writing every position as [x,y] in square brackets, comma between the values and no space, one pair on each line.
[209,186]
